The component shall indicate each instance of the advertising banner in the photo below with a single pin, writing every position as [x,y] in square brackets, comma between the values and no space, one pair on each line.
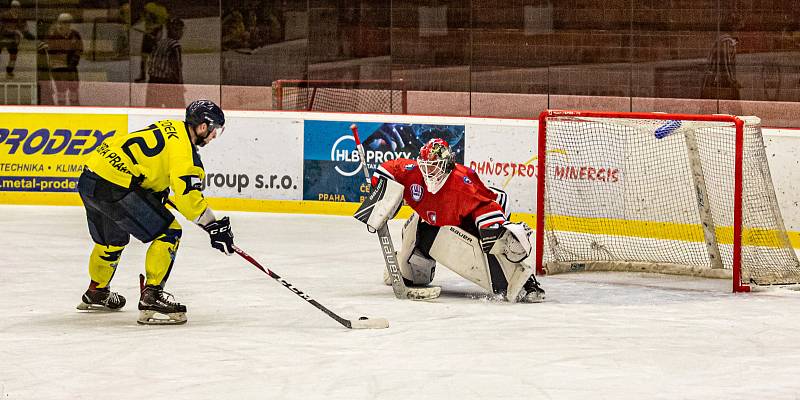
[782,150]
[44,153]
[256,157]
[504,156]
[332,169]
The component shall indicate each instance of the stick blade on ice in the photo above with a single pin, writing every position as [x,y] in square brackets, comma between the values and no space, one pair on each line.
[370,323]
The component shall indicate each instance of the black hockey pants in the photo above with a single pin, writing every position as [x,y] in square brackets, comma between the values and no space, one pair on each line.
[114,212]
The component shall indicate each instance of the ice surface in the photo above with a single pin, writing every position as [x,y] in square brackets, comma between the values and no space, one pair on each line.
[598,336]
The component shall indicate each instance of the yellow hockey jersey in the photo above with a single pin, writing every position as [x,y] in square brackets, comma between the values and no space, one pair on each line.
[163,156]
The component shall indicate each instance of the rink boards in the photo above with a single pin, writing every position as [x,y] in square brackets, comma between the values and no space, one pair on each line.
[292,162]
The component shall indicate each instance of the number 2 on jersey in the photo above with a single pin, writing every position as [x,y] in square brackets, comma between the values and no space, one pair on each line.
[142,144]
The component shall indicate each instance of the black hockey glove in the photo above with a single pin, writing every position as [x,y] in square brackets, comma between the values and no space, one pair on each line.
[221,235]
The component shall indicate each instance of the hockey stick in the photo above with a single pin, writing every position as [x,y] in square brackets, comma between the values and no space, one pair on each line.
[51,82]
[401,291]
[360,323]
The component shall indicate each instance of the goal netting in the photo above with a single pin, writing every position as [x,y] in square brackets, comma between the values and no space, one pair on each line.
[669,193]
[356,96]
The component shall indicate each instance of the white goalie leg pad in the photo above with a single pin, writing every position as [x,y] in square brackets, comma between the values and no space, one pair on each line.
[514,243]
[516,273]
[414,265]
[513,250]
[382,204]
[420,268]
[461,252]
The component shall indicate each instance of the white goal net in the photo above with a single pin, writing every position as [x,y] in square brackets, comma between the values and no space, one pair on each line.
[670,193]
[355,96]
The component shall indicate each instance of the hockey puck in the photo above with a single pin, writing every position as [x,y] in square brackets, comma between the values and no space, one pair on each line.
[362,318]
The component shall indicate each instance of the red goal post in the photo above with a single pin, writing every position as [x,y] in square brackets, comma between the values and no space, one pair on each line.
[679,181]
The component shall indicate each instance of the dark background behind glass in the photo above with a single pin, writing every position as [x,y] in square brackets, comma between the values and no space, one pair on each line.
[453,57]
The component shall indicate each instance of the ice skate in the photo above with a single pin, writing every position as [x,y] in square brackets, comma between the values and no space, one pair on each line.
[531,292]
[157,307]
[101,300]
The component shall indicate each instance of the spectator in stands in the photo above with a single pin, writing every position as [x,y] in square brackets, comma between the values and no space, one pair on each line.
[122,42]
[254,29]
[719,80]
[270,28]
[12,30]
[234,32]
[63,48]
[790,31]
[166,67]
[155,16]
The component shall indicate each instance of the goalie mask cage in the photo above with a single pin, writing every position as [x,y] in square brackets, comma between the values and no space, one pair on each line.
[668,193]
[354,96]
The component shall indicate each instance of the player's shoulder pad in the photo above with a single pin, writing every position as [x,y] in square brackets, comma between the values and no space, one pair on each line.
[467,176]
[173,131]
[403,163]
[172,123]
[409,165]
[398,168]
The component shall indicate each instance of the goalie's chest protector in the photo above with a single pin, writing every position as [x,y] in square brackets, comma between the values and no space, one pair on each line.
[456,203]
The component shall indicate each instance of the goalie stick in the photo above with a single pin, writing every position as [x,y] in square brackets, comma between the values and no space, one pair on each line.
[401,291]
[361,323]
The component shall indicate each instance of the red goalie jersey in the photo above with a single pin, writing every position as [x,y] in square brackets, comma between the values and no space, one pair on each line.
[463,200]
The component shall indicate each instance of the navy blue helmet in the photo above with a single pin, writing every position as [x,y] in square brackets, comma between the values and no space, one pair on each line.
[200,111]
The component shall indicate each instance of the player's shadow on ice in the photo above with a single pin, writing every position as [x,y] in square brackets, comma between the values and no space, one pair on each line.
[71,319]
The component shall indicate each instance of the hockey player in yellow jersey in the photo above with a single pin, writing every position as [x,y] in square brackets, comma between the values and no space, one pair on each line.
[125,187]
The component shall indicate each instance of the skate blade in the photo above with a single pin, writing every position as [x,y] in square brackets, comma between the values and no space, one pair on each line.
[532,298]
[96,307]
[149,317]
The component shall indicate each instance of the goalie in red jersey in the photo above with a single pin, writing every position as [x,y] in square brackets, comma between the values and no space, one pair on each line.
[457,222]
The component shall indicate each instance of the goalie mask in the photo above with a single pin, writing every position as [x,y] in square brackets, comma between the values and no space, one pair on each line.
[435,162]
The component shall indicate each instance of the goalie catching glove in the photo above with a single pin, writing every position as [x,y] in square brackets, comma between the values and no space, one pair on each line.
[221,235]
[512,240]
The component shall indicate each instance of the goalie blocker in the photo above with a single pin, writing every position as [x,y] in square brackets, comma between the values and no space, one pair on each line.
[499,262]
